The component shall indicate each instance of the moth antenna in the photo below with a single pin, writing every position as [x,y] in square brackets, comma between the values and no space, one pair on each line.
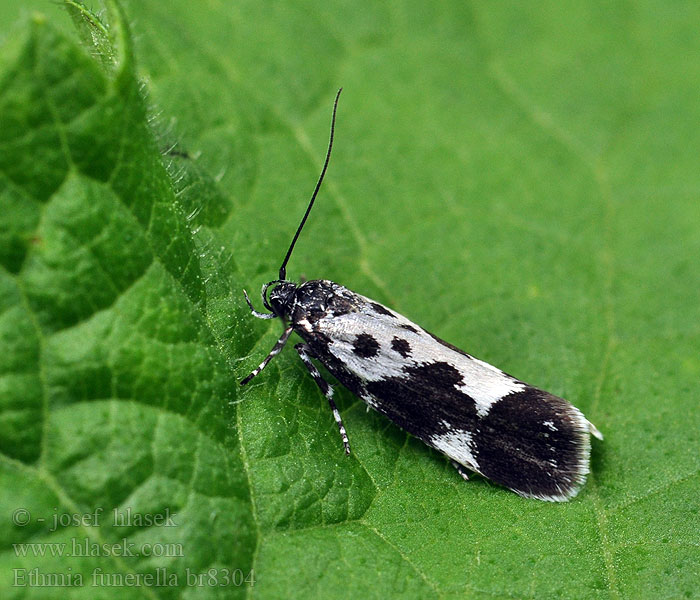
[283,268]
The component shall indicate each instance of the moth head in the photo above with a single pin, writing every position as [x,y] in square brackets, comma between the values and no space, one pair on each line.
[278,297]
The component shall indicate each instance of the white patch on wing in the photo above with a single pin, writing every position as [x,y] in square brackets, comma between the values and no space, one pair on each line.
[487,384]
[481,381]
[457,444]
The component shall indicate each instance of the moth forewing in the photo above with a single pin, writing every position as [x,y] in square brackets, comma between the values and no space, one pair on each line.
[517,435]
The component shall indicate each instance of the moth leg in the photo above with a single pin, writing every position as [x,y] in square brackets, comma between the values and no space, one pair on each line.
[256,313]
[305,354]
[277,348]
[461,469]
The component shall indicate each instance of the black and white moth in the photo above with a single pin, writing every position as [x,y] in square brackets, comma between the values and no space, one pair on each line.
[485,421]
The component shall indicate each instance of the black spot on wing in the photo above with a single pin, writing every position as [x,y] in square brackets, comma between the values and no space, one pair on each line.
[365,346]
[408,328]
[514,448]
[401,346]
[435,375]
[381,310]
[425,402]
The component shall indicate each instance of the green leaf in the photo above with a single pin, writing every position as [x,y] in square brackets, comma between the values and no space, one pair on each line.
[521,180]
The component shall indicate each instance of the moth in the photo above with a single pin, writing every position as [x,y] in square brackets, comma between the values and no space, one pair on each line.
[486,421]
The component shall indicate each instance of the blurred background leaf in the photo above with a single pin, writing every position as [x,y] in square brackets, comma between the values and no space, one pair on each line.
[521,180]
